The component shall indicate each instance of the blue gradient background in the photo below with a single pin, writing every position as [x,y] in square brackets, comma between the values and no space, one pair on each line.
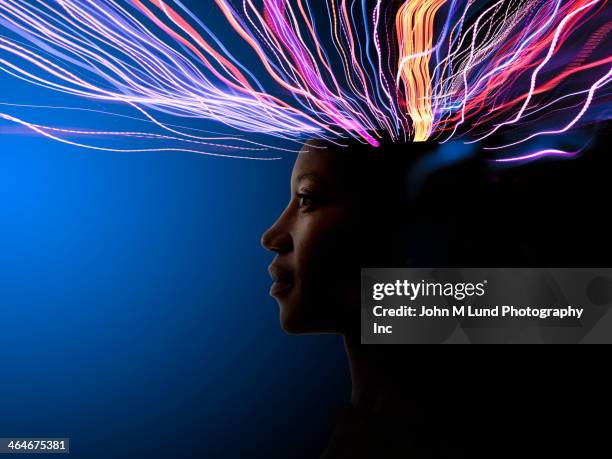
[135,311]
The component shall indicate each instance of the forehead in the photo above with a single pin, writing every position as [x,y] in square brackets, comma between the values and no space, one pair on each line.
[327,164]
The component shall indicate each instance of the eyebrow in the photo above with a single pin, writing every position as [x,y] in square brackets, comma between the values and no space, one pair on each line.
[311,176]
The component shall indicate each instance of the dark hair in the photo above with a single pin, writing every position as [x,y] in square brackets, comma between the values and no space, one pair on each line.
[470,213]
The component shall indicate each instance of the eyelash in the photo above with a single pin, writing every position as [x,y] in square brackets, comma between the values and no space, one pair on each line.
[304,197]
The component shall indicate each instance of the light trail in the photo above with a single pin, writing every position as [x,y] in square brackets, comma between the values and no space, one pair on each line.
[264,73]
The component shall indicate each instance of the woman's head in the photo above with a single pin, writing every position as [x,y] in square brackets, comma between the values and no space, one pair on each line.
[314,240]
[343,205]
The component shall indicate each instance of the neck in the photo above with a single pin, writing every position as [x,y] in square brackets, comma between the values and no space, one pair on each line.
[379,379]
[394,381]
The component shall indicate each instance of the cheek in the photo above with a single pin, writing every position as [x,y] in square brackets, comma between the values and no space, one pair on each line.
[323,273]
[322,246]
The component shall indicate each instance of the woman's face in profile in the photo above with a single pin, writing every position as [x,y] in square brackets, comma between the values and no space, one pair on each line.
[315,271]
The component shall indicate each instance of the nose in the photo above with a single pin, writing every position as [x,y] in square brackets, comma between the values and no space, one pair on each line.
[278,237]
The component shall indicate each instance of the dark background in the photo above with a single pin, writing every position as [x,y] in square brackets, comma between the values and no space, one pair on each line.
[499,402]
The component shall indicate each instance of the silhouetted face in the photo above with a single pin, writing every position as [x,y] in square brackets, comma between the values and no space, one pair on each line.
[315,271]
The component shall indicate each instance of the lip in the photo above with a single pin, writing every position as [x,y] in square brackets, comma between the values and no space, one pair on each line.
[283,280]
[279,288]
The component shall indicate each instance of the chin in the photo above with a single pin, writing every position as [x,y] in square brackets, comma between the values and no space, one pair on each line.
[291,322]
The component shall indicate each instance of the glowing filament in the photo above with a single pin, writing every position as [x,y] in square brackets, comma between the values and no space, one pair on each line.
[415,29]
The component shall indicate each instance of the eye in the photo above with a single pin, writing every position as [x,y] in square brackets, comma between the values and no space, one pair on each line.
[305,202]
